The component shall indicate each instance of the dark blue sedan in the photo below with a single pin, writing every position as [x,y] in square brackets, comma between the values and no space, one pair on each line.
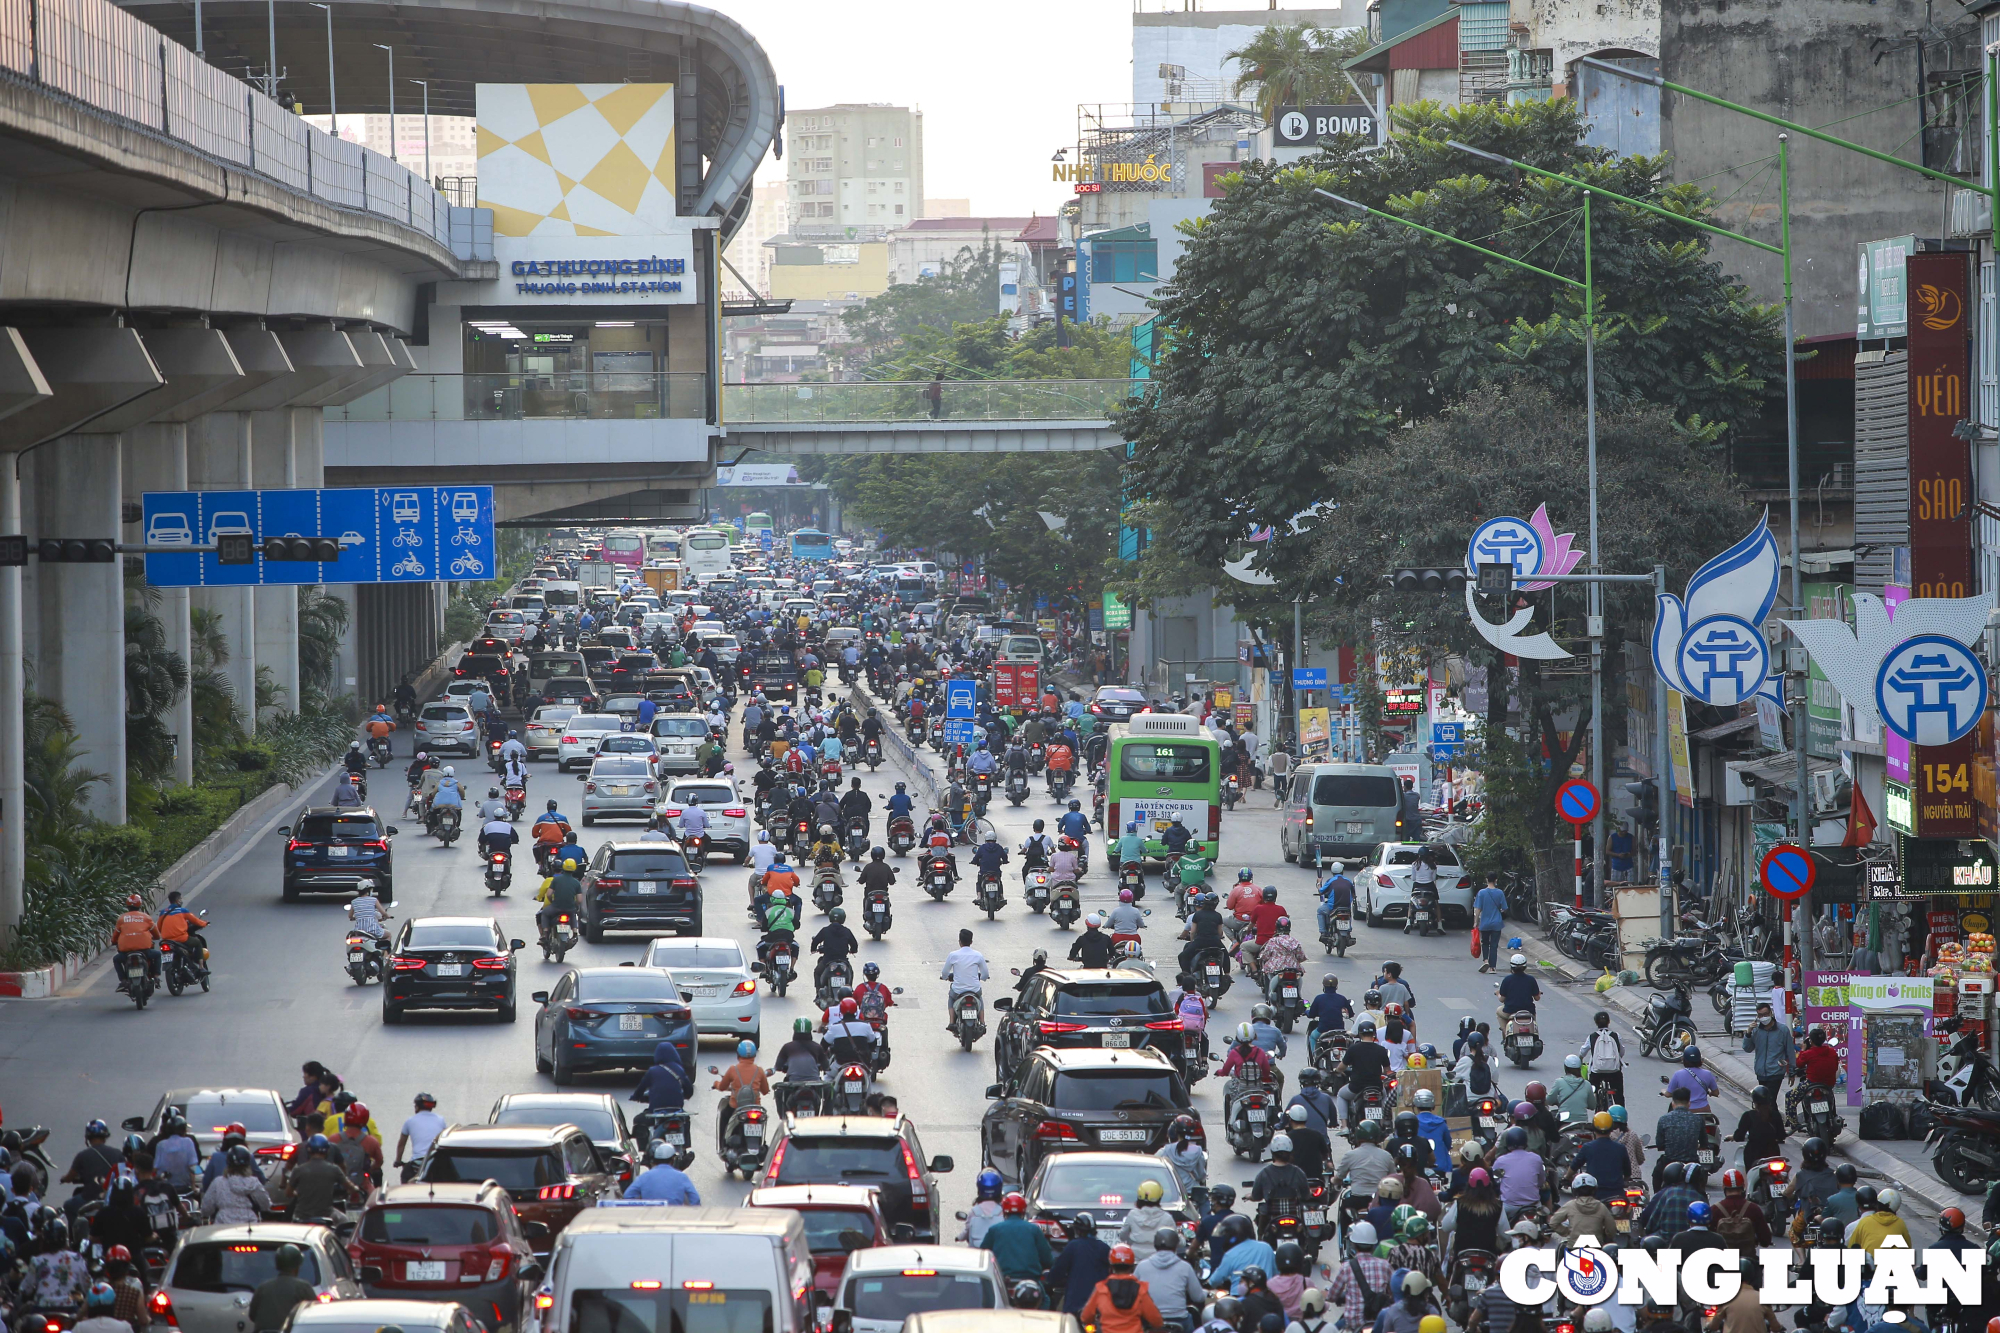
[599,1018]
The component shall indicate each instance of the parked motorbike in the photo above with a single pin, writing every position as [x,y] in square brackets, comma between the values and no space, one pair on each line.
[1965,1146]
[1965,1073]
[968,1019]
[367,956]
[1668,1024]
[1065,906]
[499,871]
[988,894]
[1698,958]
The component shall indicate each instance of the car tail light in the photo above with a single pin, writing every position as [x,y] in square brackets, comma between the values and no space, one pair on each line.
[1165,1025]
[1051,1027]
[409,964]
[652,786]
[589,787]
[1385,881]
[735,813]
[556,1192]
[162,1307]
[683,883]
[1055,1129]
[376,844]
[610,883]
[458,671]
[583,1015]
[490,964]
[747,986]
[570,740]
[298,845]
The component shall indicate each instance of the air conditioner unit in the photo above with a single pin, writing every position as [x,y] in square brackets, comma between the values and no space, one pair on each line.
[1830,788]
[1738,786]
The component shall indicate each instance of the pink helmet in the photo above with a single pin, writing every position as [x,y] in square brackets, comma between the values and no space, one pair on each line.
[1124,895]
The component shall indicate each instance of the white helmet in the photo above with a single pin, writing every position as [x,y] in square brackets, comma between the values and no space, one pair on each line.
[1597,1321]
[1281,1143]
[1889,1200]
[1296,1114]
[450,772]
[1584,1181]
[1518,960]
[1362,1234]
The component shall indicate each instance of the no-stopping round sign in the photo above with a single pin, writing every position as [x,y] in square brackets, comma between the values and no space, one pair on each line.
[1577,801]
[1787,871]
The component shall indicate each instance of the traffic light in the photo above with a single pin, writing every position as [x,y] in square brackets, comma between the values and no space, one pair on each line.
[1428,580]
[1645,802]
[234,548]
[13,552]
[318,550]
[77,550]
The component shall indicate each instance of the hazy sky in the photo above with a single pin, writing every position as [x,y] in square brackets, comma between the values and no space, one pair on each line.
[998,83]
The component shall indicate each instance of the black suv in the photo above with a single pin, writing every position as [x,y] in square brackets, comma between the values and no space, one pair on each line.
[450,962]
[337,849]
[864,1150]
[1114,1009]
[640,885]
[1104,1101]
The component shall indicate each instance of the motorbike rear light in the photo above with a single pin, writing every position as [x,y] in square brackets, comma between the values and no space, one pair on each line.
[1055,1129]
[162,1307]
[544,1301]
[747,986]
[556,1192]
[490,964]
[1049,1026]
[409,964]
[499,858]
[1777,1167]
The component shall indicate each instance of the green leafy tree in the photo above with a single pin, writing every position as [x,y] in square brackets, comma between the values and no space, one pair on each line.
[322,626]
[964,290]
[1297,64]
[1305,334]
[155,677]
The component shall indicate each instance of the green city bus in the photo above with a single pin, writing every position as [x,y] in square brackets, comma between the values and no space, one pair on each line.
[1160,766]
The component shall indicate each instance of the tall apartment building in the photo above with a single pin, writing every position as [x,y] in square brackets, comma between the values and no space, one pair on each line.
[854,165]
[747,253]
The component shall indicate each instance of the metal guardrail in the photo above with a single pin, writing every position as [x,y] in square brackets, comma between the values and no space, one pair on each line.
[911,400]
[96,54]
[606,395]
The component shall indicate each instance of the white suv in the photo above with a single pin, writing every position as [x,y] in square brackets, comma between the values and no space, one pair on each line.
[581,735]
[728,818]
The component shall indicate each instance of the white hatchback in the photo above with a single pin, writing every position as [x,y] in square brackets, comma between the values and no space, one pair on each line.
[712,971]
[679,736]
[728,817]
[1383,885]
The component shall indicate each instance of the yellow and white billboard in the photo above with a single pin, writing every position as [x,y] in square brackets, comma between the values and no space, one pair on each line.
[577,159]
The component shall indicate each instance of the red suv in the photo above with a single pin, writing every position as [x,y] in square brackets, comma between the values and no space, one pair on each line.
[450,1243]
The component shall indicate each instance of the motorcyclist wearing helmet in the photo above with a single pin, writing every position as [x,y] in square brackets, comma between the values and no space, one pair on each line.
[1203,934]
[663,1182]
[1269,1036]
[900,805]
[1602,1157]
[420,1131]
[1282,952]
[1120,1302]
[1312,1149]
[1366,1064]
[985,1211]
[1246,1066]
[1518,991]
[834,943]
[1570,1099]
[1040,963]
[1372,1009]
[1243,1252]
[1692,1078]
[237,1198]
[135,933]
[1067,862]
[850,1038]
[561,892]
[356,1150]
[1171,1281]
[803,1059]
[1813,1181]
[740,1084]
[1131,849]
[315,1185]
[1081,1264]
[1126,920]
[1669,1204]
[1145,1218]
[828,853]
[1019,1246]
[1520,1173]
[1322,1111]
[1736,1215]
[1328,1012]
[1586,1214]
[1091,949]
[1185,1154]
[878,874]
[1076,824]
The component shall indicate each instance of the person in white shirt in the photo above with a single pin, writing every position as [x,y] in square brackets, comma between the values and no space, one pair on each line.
[965,969]
[365,911]
[420,1131]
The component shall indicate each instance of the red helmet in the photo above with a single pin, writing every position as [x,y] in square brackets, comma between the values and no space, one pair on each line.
[1732,1180]
[118,1254]
[1951,1219]
[1122,1257]
[357,1115]
[848,1008]
[1535,1092]
[1013,1205]
[134,901]
[235,1127]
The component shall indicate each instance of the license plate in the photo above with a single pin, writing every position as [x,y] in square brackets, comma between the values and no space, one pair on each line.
[1371,1113]
[1122,1135]
[451,969]
[617,791]
[355,955]
[676,1137]
[338,850]
[1356,830]
[753,1130]
[1289,992]
[416,1271]
[1821,1108]
[1316,1217]
[631,1022]
[854,1086]
[940,880]
[1214,969]
[1474,1284]
[1625,1224]
[1257,1115]
[1118,1040]
[648,886]
[1707,1156]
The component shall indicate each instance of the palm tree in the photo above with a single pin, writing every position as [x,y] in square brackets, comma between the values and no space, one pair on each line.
[155,676]
[215,723]
[1290,65]
[54,783]
[322,625]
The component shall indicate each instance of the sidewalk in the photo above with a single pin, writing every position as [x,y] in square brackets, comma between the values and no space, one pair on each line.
[1905,1163]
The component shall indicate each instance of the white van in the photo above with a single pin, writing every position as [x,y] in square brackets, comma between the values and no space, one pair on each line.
[661,1267]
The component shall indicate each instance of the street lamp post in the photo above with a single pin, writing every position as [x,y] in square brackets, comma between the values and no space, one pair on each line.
[427,126]
[332,101]
[392,98]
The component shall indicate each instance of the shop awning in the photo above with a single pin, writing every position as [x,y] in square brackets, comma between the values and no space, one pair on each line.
[1782,771]
[1729,728]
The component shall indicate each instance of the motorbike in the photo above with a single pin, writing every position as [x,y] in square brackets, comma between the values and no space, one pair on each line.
[1489,1117]
[181,968]
[1211,970]
[1698,958]
[1423,913]
[1061,781]
[902,835]
[988,895]
[937,877]
[1035,888]
[1368,1102]
[1340,938]
[694,846]
[779,965]
[138,980]
[875,914]
[1231,792]
[849,1094]
[826,888]
[857,840]
[559,938]
[378,750]
[1472,1272]
[838,982]
[1017,787]
[499,871]
[1286,999]
[366,956]
[663,1126]
[1965,1073]
[1965,1144]
[1249,1121]
[1038,757]
[968,1019]
[1523,1039]
[1065,905]
[517,801]
[444,824]
[1328,1051]
[1766,1181]
[1132,876]
[871,753]
[1811,1111]
[1668,1024]
[982,792]
[744,1143]
[1626,1207]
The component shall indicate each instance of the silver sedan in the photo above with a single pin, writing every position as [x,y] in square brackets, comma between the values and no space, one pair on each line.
[619,785]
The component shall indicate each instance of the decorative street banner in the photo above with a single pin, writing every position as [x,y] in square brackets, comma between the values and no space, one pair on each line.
[1940,459]
[1533,547]
[1915,677]
[1313,731]
[1710,646]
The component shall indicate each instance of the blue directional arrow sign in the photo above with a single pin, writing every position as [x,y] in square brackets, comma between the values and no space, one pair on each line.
[958,731]
[1308,678]
[395,534]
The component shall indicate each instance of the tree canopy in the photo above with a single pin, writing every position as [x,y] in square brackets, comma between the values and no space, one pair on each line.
[1297,64]
[1304,334]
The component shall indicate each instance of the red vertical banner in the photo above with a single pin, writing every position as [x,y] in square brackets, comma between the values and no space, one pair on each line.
[1940,398]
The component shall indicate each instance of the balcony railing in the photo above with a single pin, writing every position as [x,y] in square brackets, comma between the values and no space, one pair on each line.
[912,400]
[612,395]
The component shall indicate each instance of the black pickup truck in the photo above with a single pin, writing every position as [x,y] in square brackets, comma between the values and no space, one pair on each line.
[779,684]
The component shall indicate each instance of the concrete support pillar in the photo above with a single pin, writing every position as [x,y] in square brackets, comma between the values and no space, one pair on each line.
[156,459]
[225,464]
[274,466]
[82,613]
[13,687]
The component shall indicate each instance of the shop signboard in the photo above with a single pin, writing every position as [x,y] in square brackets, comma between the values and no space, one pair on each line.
[1888,1024]
[1933,866]
[1940,352]
[1117,615]
[1824,601]
[1884,308]
[1243,710]
[1314,732]
[1677,748]
[1825,1007]
[1402,702]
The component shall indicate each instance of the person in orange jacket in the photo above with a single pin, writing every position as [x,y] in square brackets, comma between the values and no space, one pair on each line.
[134,933]
[1121,1304]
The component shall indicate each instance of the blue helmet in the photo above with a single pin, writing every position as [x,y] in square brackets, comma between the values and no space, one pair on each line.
[989,1184]
[746,1048]
[318,1144]
[1698,1213]
[100,1296]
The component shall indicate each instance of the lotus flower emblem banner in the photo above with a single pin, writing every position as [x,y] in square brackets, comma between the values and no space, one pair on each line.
[1536,551]
[1710,645]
